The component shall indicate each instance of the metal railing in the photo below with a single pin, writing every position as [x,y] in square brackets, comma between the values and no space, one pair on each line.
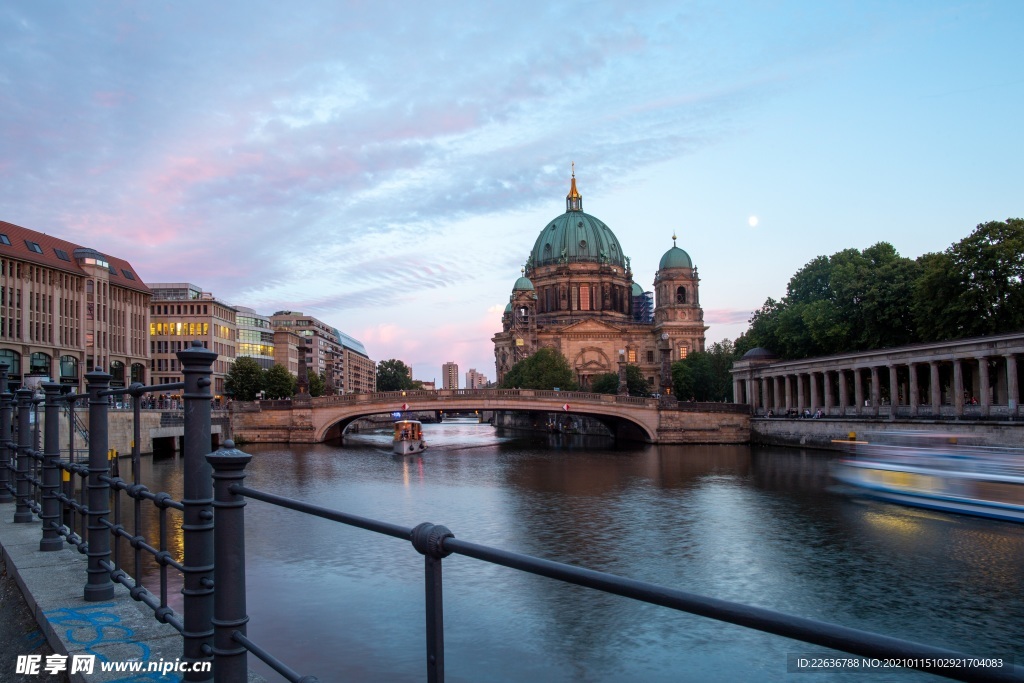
[214,616]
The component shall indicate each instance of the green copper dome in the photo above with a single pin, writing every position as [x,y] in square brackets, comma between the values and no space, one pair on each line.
[637,290]
[576,236]
[508,307]
[523,284]
[675,258]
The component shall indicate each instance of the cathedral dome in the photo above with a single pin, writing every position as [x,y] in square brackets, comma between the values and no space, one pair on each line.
[675,258]
[576,237]
[637,290]
[523,284]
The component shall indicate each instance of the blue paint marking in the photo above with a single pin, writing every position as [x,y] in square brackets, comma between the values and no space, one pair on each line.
[34,640]
[91,627]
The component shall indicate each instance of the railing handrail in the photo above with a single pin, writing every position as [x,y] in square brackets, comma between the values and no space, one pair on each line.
[813,631]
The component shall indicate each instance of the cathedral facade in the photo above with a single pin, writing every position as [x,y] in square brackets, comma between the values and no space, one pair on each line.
[577,296]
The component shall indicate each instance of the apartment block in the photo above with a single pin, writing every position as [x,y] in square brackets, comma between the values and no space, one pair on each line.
[66,310]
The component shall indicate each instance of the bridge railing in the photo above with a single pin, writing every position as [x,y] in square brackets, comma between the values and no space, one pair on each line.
[214,617]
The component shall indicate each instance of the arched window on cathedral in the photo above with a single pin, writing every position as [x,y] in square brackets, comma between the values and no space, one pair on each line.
[681,295]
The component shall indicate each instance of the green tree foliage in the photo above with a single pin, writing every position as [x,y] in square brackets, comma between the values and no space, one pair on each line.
[608,383]
[704,376]
[545,369]
[393,375]
[852,300]
[317,384]
[975,287]
[279,383]
[245,379]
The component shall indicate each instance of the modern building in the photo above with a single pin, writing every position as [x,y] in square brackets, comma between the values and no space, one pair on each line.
[475,380]
[450,376]
[66,310]
[181,313]
[342,359]
[359,373]
[255,337]
[577,296]
[289,347]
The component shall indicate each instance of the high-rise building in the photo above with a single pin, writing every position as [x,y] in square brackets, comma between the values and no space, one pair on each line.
[475,380]
[181,313]
[66,310]
[450,375]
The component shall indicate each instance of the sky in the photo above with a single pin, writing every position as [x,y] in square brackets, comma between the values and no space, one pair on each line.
[386,167]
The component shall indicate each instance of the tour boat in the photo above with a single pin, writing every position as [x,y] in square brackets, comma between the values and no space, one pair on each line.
[940,472]
[408,437]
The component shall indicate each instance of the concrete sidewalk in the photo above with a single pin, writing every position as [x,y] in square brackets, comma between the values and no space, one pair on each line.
[52,583]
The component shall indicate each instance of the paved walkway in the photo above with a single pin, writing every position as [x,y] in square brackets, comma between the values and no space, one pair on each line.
[117,630]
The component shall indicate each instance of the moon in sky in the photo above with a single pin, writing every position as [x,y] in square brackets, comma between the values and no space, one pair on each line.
[752,221]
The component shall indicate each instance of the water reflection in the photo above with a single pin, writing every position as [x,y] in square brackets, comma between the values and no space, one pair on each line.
[760,526]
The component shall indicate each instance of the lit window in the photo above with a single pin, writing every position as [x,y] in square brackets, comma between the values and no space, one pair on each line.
[631,354]
[682,352]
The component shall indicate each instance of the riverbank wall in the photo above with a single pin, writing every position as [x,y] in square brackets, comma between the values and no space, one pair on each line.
[830,433]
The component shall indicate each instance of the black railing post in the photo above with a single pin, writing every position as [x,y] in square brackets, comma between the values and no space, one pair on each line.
[23,489]
[51,473]
[6,406]
[230,660]
[428,539]
[99,586]
[197,525]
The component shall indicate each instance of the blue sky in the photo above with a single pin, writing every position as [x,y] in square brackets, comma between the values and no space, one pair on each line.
[387,167]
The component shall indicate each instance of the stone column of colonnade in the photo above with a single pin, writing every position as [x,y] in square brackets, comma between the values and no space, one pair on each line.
[814,392]
[986,400]
[912,368]
[935,387]
[858,391]
[1013,397]
[876,390]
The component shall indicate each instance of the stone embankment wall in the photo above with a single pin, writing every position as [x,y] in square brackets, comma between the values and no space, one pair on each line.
[829,433]
[155,424]
[699,427]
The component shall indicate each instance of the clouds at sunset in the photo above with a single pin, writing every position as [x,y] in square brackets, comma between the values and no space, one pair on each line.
[386,167]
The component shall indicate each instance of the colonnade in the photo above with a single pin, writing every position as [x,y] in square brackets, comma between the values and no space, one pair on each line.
[967,378]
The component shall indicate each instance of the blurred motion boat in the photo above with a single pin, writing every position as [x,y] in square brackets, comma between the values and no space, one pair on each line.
[408,437]
[938,471]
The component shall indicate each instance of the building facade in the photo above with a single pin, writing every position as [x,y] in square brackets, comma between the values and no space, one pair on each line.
[255,337]
[66,310]
[181,313]
[450,375]
[340,358]
[359,373]
[577,296]
[475,380]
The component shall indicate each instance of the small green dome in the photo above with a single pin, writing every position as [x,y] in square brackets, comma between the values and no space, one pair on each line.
[637,290]
[675,258]
[523,284]
[508,307]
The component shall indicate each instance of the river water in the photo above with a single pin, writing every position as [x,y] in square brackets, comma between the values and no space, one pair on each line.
[761,526]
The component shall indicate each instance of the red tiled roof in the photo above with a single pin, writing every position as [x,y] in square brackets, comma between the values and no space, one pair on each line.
[18,235]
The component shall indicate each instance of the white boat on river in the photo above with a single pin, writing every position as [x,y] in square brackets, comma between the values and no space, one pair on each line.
[938,471]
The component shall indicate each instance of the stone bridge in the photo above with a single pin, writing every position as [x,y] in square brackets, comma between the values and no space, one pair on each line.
[640,419]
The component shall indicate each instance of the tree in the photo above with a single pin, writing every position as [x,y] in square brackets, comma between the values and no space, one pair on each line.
[279,383]
[704,375]
[545,369]
[608,383]
[317,384]
[393,375]
[975,287]
[245,379]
